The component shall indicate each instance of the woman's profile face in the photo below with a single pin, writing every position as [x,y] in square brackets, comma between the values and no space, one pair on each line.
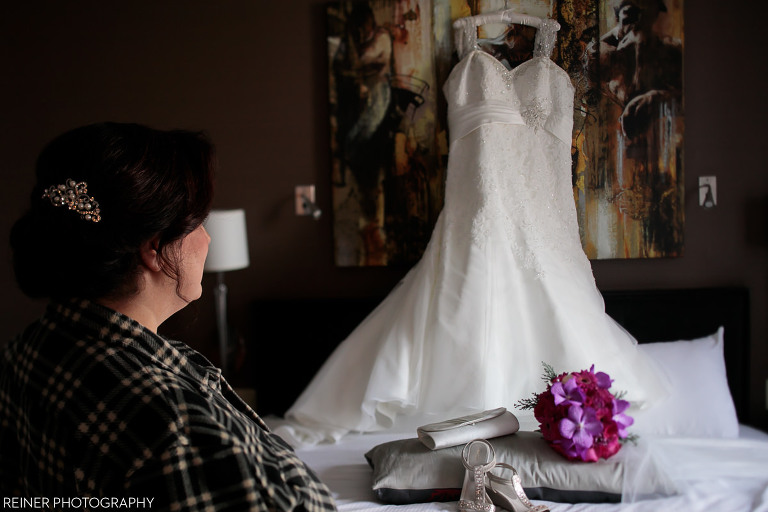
[194,249]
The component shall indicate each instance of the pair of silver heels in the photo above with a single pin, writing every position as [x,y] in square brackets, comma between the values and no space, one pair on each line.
[483,491]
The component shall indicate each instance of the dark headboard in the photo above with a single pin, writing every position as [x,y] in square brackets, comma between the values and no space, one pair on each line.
[669,315]
[295,336]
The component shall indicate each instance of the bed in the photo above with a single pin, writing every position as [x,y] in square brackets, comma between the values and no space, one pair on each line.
[711,460]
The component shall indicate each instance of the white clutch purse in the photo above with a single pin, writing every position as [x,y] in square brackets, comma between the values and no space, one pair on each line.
[483,425]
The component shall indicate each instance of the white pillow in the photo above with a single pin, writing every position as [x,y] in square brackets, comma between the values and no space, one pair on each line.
[700,403]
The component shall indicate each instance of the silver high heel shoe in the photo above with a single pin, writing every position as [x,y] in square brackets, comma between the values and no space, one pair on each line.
[508,493]
[478,457]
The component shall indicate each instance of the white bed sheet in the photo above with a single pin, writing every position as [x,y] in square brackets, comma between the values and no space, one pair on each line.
[714,475]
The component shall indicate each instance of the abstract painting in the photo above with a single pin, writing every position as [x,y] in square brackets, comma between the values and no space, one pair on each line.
[625,58]
[387,173]
[387,61]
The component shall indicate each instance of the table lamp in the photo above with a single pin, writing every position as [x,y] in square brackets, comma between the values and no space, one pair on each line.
[227,251]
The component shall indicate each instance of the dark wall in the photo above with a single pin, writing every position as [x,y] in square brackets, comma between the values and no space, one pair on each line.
[252,74]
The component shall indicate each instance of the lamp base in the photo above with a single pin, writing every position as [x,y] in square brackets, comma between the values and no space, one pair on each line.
[220,296]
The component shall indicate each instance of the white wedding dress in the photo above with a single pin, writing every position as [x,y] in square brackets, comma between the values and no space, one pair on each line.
[503,285]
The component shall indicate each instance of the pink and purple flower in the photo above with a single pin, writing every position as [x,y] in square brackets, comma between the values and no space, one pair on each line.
[579,417]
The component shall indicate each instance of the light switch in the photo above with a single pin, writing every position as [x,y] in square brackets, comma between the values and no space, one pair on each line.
[707,191]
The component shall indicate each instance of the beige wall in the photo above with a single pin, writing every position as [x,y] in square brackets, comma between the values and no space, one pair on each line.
[252,74]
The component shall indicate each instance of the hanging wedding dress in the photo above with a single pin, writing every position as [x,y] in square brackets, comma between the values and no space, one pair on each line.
[503,285]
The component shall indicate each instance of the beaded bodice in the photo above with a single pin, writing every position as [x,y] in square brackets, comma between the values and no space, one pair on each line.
[481,90]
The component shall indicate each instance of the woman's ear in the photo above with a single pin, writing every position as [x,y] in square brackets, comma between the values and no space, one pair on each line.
[150,256]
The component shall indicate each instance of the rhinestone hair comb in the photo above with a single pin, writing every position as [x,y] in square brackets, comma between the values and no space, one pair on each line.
[74,196]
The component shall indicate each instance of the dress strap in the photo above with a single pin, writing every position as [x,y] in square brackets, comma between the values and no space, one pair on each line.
[465,30]
[546,36]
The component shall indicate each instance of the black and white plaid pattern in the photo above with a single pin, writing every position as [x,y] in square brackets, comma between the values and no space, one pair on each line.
[93,404]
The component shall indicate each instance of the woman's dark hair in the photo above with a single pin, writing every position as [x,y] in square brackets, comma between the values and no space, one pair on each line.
[148,183]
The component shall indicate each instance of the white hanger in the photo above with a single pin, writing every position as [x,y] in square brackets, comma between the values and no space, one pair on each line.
[504,17]
[465,29]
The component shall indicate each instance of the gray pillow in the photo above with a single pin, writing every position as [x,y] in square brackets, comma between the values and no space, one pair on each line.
[406,471]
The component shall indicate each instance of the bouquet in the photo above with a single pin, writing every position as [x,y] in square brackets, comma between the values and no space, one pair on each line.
[578,416]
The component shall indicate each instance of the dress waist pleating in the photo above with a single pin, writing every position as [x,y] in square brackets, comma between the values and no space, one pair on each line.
[466,118]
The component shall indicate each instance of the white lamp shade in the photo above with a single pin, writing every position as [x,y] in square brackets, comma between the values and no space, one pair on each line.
[229,241]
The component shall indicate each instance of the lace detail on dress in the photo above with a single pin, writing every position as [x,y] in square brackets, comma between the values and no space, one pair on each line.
[516,197]
[509,185]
